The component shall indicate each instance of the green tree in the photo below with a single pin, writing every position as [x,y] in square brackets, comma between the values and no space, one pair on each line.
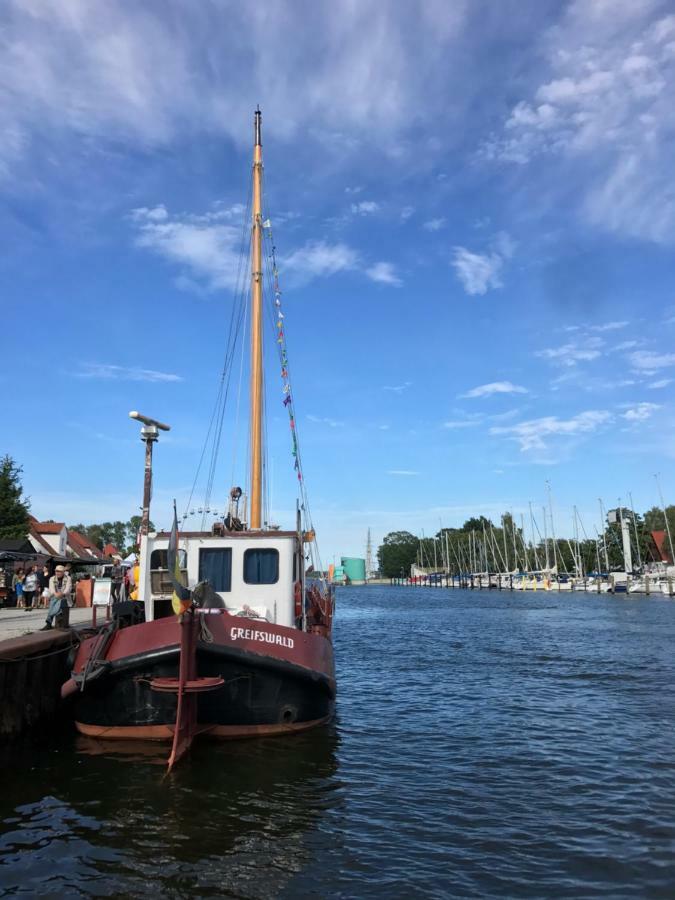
[397,553]
[14,521]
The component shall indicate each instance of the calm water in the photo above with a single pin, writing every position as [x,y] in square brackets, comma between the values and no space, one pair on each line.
[487,745]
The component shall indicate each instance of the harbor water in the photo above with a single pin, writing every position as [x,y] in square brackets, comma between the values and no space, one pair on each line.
[487,744]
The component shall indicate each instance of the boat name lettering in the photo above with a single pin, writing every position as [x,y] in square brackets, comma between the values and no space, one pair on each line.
[250,634]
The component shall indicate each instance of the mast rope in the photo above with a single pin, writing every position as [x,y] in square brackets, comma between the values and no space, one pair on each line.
[287,395]
[214,430]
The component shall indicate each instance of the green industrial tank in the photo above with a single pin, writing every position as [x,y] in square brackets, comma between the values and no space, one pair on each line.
[355,569]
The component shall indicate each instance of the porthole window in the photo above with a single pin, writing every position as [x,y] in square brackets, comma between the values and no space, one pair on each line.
[261,566]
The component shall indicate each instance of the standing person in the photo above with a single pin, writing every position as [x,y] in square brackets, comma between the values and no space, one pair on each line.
[30,585]
[117,575]
[43,584]
[60,587]
[17,587]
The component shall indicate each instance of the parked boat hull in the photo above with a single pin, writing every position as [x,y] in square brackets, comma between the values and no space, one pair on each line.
[275,680]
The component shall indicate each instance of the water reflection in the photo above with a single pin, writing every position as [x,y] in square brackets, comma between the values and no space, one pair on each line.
[232,820]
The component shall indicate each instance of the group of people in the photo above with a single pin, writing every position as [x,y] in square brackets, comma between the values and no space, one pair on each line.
[40,590]
[31,587]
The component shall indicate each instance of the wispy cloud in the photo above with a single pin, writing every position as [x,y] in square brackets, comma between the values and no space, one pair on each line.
[572,353]
[384,273]
[660,383]
[318,258]
[648,362]
[120,373]
[207,245]
[434,224]
[641,412]
[481,272]
[462,423]
[323,420]
[365,208]
[120,74]
[535,433]
[609,326]
[397,388]
[609,103]
[402,472]
[495,387]
[406,213]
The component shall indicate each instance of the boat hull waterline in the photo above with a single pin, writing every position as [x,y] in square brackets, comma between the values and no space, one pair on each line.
[270,680]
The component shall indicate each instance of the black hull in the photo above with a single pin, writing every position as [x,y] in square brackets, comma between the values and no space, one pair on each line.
[260,694]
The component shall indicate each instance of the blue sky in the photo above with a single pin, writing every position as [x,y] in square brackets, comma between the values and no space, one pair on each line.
[474,213]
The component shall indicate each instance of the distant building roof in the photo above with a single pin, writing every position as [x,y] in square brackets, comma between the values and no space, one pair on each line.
[111,550]
[82,546]
[49,527]
[37,537]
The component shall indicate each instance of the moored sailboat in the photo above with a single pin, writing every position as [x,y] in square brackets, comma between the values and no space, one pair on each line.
[232,643]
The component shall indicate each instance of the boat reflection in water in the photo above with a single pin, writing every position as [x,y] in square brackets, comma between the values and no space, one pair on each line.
[240,818]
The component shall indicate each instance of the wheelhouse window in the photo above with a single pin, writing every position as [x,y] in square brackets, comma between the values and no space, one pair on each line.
[159,559]
[261,566]
[160,581]
[215,566]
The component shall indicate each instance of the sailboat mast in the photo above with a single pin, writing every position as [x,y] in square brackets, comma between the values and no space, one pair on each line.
[256,332]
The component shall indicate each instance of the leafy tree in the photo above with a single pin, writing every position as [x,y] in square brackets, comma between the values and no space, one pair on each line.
[476,524]
[397,553]
[122,534]
[14,521]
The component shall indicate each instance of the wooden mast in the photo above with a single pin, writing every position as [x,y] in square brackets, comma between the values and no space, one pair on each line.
[256,333]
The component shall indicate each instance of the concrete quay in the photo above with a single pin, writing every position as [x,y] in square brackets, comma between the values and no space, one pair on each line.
[33,666]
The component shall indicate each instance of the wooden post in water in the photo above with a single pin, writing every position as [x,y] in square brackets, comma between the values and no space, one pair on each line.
[647,585]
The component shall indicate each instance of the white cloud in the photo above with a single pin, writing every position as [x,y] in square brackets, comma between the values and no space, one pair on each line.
[481,272]
[609,326]
[317,259]
[478,272]
[207,245]
[572,353]
[626,345]
[121,373]
[122,72]
[641,412]
[401,472]
[461,423]
[406,212]
[606,108]
[661,383]
[647,361]
[495,387]
[322,420]
[434,224]
[397,388]
[534,434]
[365,208]
[384,273]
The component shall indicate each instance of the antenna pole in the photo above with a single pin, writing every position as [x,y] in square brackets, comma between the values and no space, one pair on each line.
[256,331]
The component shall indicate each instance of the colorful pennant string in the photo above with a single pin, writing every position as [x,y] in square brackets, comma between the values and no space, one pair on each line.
[281,340]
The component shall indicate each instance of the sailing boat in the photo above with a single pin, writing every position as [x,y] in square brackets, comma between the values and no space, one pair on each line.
[235,642]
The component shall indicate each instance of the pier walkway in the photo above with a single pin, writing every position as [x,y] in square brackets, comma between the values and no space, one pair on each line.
[17,622]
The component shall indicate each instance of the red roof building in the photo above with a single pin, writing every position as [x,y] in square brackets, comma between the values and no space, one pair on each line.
[111,550]
[661,546]
[80,545]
